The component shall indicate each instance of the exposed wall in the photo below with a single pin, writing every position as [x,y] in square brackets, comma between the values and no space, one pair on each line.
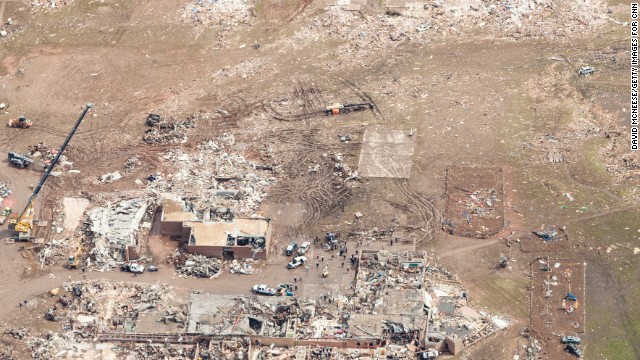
[345,343]
[454,345]
[176,228]
[210,251]
[171,228]
[239,252]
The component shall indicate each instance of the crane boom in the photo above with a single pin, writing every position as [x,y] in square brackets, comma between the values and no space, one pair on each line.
[24,223]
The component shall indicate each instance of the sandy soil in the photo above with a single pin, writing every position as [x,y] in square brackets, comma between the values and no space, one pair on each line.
[474,100]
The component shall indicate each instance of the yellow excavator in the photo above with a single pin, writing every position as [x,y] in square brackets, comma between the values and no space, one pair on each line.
[74,259]
[23,222]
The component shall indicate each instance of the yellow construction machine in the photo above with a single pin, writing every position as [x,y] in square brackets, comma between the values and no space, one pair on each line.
[74,259]
[23,222]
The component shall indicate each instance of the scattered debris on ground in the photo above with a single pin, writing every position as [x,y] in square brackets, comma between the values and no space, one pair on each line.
[193,265]
[51,4]
[475,205]
[163,133]
[224,15]
[207,176]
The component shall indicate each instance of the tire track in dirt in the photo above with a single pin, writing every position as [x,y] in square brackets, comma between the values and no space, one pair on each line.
[305,146]
[321,193]
[364,97]
[267,106]
[101,141]
[303,5]
[286,10]
[235,108]
[423,205]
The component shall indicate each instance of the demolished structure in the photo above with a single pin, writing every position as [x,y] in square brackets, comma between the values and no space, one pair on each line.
[238,238]
[114,231]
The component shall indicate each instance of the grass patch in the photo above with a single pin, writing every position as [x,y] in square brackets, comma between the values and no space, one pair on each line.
[505,296]
[591,169]
[612,282]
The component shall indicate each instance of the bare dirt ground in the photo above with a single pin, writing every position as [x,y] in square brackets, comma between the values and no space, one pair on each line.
[475,97]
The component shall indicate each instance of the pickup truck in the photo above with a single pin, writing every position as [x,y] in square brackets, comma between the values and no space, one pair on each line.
[297,261]
[133,268]
[264,290]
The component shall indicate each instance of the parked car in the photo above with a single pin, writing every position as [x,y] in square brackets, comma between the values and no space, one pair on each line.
[586,70]
[573,349]
[264,290]
[133,267]
[304,247]
[291,248]
[284,286]
[430,354]
[571,340]
[152,268]
[284,289]
[297,261]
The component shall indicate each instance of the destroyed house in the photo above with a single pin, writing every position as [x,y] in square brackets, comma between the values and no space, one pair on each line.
[240,238]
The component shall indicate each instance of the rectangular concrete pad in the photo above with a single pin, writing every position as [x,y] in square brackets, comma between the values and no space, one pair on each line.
[386,153]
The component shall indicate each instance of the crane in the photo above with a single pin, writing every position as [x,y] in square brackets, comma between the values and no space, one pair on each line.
[23,223]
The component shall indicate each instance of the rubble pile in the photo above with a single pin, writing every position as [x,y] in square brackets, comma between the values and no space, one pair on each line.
[372,235]
[131,164]
[216,177]
[51,4]
[237,267]
[623,164]
[163,133]
[4,192]
[128,293]
[227,349]
[42,151]
[419,23]
[255,316]
[479,203]
[52,344]
[17,333]
[245,69]
[195,265]
[173,316]
[451,313]
[45,153]
[343,170]
[166,351]
[224,15]
[53,252]
[112,229]
[89,306]
[380,271]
